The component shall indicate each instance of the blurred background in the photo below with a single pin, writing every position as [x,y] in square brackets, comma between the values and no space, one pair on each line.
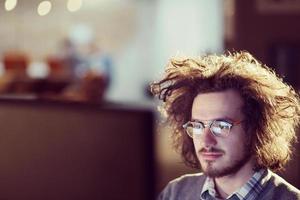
[127,41]
[108,51]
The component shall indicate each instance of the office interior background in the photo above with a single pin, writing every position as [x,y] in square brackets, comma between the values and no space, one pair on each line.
[108,51]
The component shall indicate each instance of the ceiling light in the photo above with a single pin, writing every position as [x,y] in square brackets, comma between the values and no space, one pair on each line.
[10,4]
[74,5]
[44,8]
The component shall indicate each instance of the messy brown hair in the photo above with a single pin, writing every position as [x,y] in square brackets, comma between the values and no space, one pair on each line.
[271,107]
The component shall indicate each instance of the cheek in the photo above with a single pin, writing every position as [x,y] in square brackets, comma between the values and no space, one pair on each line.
[235,147]
[197,145]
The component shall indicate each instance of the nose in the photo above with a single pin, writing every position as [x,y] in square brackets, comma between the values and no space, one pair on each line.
[208,138]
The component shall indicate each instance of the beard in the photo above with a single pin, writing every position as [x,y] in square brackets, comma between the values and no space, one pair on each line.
[231,168]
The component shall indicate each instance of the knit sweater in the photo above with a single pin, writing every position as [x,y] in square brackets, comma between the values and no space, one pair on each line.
[189,187]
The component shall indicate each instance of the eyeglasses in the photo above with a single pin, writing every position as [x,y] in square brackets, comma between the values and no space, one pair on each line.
[219,127]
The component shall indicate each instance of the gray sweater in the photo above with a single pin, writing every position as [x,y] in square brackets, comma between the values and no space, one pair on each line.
[189,187]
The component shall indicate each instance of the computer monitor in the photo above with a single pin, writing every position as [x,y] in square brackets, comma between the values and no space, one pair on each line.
[55,151]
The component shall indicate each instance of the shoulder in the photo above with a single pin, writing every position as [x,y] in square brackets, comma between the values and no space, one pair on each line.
[189,185]
[283,187]
[278,188]
[188,180]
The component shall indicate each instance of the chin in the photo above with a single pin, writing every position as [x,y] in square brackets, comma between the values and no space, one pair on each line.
[215,173]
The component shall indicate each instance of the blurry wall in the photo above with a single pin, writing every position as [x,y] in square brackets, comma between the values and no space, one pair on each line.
[139,35]
[268,29]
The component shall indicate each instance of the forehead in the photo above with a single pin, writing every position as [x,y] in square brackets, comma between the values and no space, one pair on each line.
[214,105]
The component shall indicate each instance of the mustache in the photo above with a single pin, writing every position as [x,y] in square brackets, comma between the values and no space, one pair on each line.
[211,150]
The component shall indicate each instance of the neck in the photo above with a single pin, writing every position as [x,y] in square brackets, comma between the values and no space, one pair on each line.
[227,185]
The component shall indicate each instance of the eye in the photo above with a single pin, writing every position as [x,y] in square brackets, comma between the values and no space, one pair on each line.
[197,125]
[197,128]
[193,128]
[222,124]
[220,127]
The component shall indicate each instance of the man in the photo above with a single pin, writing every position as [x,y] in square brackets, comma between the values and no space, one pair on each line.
[234,119]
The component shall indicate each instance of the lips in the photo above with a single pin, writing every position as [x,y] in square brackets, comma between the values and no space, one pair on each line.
[211,156]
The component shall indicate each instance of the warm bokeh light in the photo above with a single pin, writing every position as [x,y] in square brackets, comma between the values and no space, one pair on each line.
[44,8]
[74,5]
[10,4]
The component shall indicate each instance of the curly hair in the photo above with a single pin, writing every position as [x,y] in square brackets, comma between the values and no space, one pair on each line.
[271,107]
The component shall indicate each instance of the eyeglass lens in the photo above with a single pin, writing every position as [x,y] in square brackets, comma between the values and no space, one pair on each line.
[217,127]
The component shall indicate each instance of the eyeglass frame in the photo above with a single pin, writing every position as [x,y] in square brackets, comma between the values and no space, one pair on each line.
[208,123]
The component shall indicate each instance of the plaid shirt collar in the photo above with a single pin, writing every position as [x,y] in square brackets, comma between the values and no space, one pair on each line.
[248,191]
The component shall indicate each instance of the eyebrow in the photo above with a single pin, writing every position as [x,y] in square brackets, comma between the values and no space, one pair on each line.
[219,118]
